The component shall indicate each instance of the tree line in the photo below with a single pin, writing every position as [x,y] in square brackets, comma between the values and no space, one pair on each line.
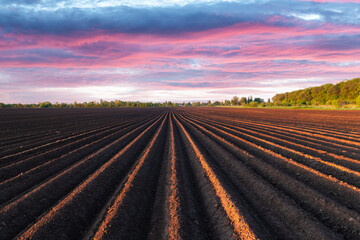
[92,104]
[235,101]
[338,95]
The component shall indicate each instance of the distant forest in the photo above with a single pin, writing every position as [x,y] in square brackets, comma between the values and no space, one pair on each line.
[339,95]
[92,104]
[235,101]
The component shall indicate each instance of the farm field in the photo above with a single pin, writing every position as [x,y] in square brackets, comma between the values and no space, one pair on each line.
[179,173]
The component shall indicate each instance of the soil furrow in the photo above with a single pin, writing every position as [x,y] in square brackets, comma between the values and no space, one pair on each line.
[284,130]
[328,185]
[177,212]
[18,211]
[121,219]
[330,212]
[179,173]
[19,167]
[348,157]
[241,227]
[30,178]
[338,171]
[286,219]
[340,138]
[328,147]
[12,159]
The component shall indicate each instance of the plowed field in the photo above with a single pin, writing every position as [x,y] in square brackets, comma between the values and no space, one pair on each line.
[179,173]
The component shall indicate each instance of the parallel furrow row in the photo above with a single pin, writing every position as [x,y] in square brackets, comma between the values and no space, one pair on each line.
[339,139]
[37,160]
[279,147]
[52,142]
[330,212]
[297,136]
[179,173]
[26,179]
[109,163]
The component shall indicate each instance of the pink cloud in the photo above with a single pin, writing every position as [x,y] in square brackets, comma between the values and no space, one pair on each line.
[244,55]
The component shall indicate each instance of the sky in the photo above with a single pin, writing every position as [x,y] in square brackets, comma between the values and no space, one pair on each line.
[182,50]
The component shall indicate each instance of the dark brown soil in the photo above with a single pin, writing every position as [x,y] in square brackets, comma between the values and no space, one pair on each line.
[179,173]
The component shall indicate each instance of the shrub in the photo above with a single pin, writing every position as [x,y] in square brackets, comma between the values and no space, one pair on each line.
[338,103]
[253,104]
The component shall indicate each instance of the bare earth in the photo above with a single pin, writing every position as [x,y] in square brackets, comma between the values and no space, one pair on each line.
[179,173]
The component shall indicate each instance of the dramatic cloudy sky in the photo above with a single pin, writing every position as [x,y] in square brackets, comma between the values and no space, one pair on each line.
[173,50]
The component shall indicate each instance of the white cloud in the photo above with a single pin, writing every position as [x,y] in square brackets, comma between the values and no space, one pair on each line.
[194,64]
[5,78]
[88,93]
[50,4]
[308,17]
[348,64]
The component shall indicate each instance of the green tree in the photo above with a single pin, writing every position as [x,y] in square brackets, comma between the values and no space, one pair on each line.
[258,100]
[56,105]
[45,105]
[235,100]
[242,100]
[217,103]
